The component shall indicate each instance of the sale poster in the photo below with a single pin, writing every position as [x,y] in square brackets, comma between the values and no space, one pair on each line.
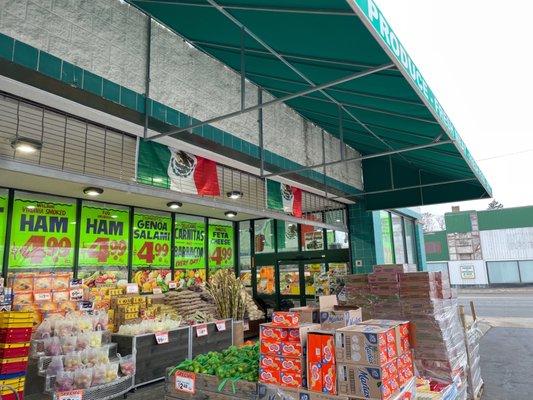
[3,220]
[42,232]
[189,251]
[104,234]
[221,240]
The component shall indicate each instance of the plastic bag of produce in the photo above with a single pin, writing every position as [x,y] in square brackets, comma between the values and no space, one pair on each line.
[72,361]
[111,373]
[83,378]
[64,381]
[68,344]
[52,346]
[99,375]
[95,339]
[55,368]
[82,341]
[127,365]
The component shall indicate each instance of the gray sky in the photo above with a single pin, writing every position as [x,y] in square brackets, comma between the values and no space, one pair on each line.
[476,56]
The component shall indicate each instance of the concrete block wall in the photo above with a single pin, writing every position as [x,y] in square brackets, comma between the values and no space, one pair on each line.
[109,38]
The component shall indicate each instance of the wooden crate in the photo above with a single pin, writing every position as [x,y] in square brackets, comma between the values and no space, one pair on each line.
[153,359]
[207,388]
[214,340]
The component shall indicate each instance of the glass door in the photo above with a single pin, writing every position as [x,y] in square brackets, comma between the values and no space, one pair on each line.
[316,281]
[266,284]
[290,285]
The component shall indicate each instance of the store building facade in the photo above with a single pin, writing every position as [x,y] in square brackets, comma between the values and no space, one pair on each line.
[139,168]
[493,247]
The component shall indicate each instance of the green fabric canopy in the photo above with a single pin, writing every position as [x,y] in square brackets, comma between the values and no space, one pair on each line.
[325,40]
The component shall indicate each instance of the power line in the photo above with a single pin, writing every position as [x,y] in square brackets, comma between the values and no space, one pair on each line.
[506,155]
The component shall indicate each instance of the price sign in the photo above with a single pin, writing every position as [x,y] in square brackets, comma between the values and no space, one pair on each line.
[185,381]
[220,246]
[76,294]
[42,233]
[42,296]
[132,288]
[161,337]
[151,239]
[172,285]
[201,330]
[221,325]
[189,247]
[157,290]
[86,306]
[69,395]
[104,236]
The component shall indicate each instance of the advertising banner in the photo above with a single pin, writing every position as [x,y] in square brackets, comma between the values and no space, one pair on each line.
[3,221]
[42,232]
[189,244]
[103,236]
[151,239]
[221,246]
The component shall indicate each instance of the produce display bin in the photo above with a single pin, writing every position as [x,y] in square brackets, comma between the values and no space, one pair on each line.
[153,359]
[253,329]
[214,340]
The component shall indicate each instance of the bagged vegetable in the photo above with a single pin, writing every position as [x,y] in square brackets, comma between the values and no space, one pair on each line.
[83,378]
[72,361]
[68,344]
[55,368]
[52,346]
[64,381]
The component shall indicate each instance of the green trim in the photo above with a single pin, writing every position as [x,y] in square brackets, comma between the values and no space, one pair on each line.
[47,64]
[458,222]
[507,218]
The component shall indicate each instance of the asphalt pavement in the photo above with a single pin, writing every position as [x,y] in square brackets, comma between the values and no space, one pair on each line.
[504,304]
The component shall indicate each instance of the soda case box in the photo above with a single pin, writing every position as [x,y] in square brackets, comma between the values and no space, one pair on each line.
[293,380]
[282,349]
[321,362]
[272,333]
[399,268]
[285,319]
[405,368]
[334,319]
[363,344]
[366,382]
[270,376]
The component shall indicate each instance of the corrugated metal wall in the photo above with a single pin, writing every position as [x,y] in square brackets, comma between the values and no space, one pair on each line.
[507,244]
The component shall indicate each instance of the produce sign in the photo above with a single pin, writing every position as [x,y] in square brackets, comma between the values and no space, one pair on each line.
[42,234]
[3,221]
[189,244]
[220,246]
[151,240]
[235,362]
[185,382]
[103,237]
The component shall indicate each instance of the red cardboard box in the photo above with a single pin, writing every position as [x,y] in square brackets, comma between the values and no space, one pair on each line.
[291,349]
[291,364]
[291,379]
[270,362]
[271,333]
[314,376]
[286,319]
[272,348]
[269,376]
[402,334]
[322,372]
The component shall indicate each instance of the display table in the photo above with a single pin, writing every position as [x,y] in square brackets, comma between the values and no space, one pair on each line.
[210,337]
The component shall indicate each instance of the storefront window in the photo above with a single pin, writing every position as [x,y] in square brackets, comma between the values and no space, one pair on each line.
[287,236]
[289,279]
[410,240]
[386,237]
[503,272]
[245,254]
[337,239]
[151,250]
[312,237]
[266,280]
[264,236]
[104,236]
[316,280]
[397,234]
[221,244]
[189,250]
[4,193]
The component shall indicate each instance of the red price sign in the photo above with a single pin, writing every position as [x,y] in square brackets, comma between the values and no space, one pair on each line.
[221,255]
[185,381]
[150,252]
[38,247]
[69,395]
[102,249]
[221,325]
[201,330]
[161,337]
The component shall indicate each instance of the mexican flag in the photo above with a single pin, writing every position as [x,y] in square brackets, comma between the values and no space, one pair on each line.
[282,197]
[165,166]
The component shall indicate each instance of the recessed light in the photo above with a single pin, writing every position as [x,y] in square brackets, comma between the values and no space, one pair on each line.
[337,220]
[26,145]
[230,214]
[93,191]
[30,207]
[174,205]
[114,216]
[235,194]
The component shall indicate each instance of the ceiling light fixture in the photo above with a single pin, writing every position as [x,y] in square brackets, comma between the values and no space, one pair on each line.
[235,194]
[26,145]
[174,205]
[230,214]
[93,191]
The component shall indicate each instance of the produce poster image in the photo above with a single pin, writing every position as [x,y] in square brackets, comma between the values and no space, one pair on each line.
[148,279]
[42,234]
[220,246]
[151,240]
[103,243]
[3,221]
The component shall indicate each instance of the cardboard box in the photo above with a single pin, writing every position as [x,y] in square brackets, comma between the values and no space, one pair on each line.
[269,376]
[332,318]
[285,319]
[292,380]
[292,349]
[270,347]
[391,268]
[366,382]
[402,332]
[292,364]
[362,344]
[308,314]
[321,367]
[270,362]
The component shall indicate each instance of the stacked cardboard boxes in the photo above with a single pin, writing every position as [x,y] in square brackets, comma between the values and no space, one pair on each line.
[321,362]
[374,359]
[283,350]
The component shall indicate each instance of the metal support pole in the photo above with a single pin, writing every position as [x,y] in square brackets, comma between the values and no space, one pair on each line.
[260,128]
[243,70]
[361,158]
[324,164]
[341,134]
[313,88]
[147,80]
[391,170]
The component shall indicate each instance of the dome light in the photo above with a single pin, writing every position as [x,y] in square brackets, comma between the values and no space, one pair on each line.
[93,191]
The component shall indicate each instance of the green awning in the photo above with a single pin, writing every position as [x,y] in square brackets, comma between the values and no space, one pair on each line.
[291,45]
